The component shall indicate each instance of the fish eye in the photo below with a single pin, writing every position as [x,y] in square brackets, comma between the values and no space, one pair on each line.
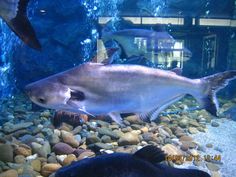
[41,100]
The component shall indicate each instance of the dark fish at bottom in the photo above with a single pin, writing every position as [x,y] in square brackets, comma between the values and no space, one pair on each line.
[144,163]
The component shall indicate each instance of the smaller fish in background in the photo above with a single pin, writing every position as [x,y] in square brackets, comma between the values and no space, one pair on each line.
[142,42]
[146,162]
[14,13]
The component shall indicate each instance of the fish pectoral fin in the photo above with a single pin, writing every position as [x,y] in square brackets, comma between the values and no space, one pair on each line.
[22,26]
[117,118]
[75,105]
[151,154]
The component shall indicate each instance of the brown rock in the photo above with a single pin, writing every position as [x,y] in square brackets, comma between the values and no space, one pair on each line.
[69,159]
[171,150]
[192,130]
[86,154]
[49,169]
[144,129]
[69,138]
[134,119]
[9,173]
[215,174]
[23,150]
[128,139]
[189,144]
[186,138]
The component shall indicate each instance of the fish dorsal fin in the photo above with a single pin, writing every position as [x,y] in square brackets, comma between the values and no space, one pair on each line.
[151,154]
[177,71]
[22,26]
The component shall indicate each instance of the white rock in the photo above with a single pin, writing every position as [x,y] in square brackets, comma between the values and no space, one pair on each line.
[31,157]
[61,158]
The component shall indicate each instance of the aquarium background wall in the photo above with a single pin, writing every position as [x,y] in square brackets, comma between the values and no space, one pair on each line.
[69,32]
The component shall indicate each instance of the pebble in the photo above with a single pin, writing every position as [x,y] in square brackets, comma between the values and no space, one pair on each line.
[134,119]
[106,139]
[86,154]
[6,154]
[9,173]
[19,159]
[209,145]
[61,158]
[212,167]
[192,130]
[144,129]
[69,138]
[54,139]
[10,128]
[63,148]
[23,150]
[171,150]
[108,132]
[165,119]
[183,123]
[44,150]
[186,138]
[215,124]
[49,169]
[36,165]
[91,139]
[149,137]
[215,174]
[69,159]
[128,139]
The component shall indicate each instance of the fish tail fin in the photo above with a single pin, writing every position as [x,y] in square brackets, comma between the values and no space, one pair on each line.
[209,86]
[22,26]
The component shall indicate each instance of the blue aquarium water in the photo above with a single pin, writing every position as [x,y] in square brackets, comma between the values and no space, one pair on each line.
[138,88]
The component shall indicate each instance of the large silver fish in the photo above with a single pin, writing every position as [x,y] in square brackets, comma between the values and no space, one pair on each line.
[13,12]
[136,42]
[99,89]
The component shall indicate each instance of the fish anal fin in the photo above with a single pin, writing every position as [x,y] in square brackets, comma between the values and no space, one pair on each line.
[150,116]
[22,26]
[151,154]
[153,114]
[117,118]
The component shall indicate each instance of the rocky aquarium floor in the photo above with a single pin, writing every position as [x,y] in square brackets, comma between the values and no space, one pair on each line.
[31,146]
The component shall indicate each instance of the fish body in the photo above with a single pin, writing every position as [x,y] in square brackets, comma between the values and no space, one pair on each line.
[14,13]
[136,42]
[99,89]
[144,163]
